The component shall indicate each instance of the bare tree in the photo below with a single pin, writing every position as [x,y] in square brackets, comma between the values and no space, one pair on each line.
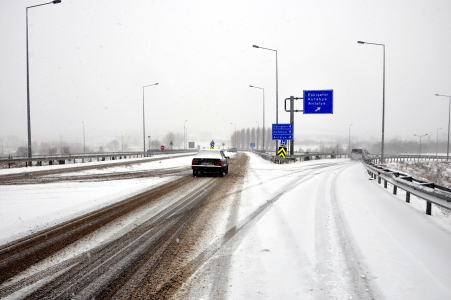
[155,144]
[113,145]
[248,138]
[65,150]
[253,138]
[22,151]
[178,140]
[52,151]
[242,138]
[168,138]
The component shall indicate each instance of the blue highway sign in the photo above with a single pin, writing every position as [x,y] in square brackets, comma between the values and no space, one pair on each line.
[288,126]
[282,131]
[319,102]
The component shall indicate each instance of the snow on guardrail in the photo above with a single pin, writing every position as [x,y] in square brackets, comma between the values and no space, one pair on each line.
[428,191]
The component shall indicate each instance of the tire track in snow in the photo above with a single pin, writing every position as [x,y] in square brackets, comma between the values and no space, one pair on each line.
[339,269]
[224,246]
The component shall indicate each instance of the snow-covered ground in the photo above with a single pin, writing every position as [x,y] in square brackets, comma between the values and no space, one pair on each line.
[438,172]
[26,209]
[311,230]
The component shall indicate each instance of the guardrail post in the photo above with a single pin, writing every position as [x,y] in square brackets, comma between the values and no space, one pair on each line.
[379,179]
[407,197]
[385,183]
[395,189]
[428,207]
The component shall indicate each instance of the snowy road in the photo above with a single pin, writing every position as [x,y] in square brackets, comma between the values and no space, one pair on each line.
[327,233]
[311,230]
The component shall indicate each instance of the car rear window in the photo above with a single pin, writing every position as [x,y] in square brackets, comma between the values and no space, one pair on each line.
[208,154]
[356,150]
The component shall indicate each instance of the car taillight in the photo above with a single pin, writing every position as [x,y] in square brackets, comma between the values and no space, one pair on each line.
[194,162]
[218,163]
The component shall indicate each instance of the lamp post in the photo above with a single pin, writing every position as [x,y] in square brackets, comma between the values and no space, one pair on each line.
[84,149]
[277,92]
[149,136]
[28,79]
[349,142]
[61,144]
[263,141]
[235,135]
[420,136]
[122,143]
[184,135]
[2,147]
[449,118]
[258,127]
[436,144]
[383,97]
[144,120]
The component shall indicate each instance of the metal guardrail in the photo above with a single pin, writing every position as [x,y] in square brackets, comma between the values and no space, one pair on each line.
[375,158]
[61,159]
[428,191]
[299,156]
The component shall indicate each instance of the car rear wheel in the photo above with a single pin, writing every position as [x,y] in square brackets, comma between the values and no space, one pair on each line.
[194,173]
[221,173]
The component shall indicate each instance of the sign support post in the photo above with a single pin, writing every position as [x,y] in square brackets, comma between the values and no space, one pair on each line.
[292,111]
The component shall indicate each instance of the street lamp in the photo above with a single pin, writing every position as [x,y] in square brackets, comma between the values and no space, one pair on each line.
[184,135]
[449,118]
[383,97]
[263,113]
[349,146]
[28,79]
[436,144]
[258,127]
[149,140]
[84,149]
[420,136]
[144,120]
[235,135]
[122,142]
[277,91]
[61,144]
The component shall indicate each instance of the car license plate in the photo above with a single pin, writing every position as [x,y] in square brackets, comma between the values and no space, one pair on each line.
[207,163]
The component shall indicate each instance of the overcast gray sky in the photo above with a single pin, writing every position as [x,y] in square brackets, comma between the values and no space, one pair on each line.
[89,61]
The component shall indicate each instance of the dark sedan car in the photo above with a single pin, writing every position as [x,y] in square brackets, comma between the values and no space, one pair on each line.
[213,161]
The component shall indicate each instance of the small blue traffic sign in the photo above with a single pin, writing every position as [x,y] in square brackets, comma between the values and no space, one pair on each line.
[288,126]
[282,131]
[318,102]
[212,143]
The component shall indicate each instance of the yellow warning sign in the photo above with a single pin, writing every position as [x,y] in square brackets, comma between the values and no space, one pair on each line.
[282,152]
[212,147]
